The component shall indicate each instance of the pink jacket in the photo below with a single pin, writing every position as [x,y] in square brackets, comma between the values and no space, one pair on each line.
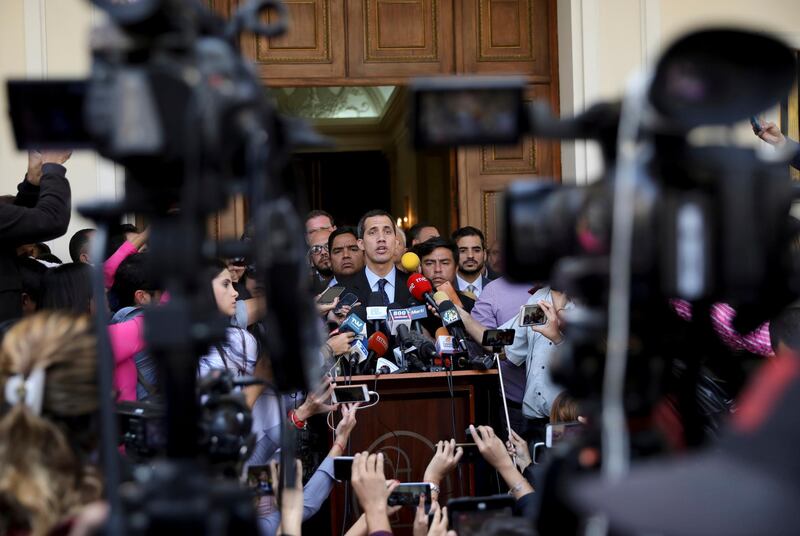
[127,338]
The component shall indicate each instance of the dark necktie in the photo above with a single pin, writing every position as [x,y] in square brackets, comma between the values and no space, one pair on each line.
[382,291]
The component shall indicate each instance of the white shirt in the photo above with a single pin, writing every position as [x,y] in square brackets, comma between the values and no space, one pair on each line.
[478,284]
[332,282]
[373,278]
[535,351]
[241,351]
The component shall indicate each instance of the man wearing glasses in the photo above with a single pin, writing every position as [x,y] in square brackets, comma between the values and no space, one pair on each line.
[320,260]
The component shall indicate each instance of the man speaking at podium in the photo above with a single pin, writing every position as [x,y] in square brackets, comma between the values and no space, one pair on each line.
[379,283]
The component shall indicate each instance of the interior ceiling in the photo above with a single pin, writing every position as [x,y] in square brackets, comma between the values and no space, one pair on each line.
[335,105]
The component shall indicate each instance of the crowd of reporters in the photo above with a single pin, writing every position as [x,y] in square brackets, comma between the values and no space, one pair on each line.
[49,479]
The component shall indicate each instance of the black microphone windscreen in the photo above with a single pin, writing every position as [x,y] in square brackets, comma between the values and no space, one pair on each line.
[375,300]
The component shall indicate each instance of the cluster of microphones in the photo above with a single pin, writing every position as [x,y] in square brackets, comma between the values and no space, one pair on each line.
[400,327]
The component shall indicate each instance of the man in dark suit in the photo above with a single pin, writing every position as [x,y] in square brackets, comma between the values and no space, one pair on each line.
[377,239]
[40,211]
[471,247]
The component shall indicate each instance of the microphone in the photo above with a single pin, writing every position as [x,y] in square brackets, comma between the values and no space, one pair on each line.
[377,344]
[418,312]
[353,324]
[425,348]
[421,289]
[376,310]
[452,321]
[399,321]
[410,261]
[384,366]
[358,353]
[452,294]
[440,296]
[444,347]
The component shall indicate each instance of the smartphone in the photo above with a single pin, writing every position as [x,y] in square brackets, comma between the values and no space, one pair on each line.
[554,433]
[348,299]
[259,480]
[330,294]
[471,515]
[407,494]
[755,123]
[498,337]
[471,452]
[532,315]
[342,467]
[350,393]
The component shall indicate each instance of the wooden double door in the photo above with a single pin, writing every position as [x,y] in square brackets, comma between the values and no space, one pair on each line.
[387,42]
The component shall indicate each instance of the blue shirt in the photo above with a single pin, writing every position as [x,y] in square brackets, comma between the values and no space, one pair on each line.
[373,278]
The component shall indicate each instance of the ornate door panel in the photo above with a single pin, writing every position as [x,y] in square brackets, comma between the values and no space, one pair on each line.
[506,36]
[400,37]
[314,46]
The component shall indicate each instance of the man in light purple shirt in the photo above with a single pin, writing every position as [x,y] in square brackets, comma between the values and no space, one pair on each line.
[498,303]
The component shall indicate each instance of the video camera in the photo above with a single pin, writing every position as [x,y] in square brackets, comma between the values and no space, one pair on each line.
[225,435]
[171,99]
[668,220]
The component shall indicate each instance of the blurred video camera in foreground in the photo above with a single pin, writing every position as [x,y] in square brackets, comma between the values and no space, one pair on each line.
[171,98]
[710,223]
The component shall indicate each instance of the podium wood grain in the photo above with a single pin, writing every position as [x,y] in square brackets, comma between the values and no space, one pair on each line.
[415,411]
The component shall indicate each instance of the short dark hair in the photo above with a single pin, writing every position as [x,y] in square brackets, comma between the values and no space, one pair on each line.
[785,328]
[417,228]
[67,288]
[31,273]
[423,249]
[372,214]
[116,236]
[469,231]
[317,213]
[77,243]
[134,273]
[339,232]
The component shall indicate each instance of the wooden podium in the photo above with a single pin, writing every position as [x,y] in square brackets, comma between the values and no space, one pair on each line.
[414,412]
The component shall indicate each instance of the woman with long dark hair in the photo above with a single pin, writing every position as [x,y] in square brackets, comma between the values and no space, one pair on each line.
[239,352]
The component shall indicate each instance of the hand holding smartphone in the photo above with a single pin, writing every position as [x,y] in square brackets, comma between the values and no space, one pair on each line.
[349,394]
[330,294]
[532,315]
[408,494]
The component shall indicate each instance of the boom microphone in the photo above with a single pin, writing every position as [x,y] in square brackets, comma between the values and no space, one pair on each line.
[421,289]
